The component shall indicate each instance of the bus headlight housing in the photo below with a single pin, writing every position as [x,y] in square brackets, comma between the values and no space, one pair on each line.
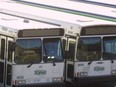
[57,79]
[83,74]
[19,82]
[113,72]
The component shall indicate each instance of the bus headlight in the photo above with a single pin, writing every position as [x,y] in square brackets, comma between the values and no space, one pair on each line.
[83,74]
[57,79]
[19,82]
[113,72]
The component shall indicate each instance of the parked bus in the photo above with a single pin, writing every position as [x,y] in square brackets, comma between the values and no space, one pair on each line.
[39,57]
[7,38]
[26,67]
[75,48]
[94,60]
[66,55]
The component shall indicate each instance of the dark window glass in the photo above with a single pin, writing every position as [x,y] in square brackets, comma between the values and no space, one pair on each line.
[109,48]
[2,48]
[71,50]
[1,72]
[52,50]
[9,52]
[64,44]
[99,30]
[9,72]
[28,51]
[89,48]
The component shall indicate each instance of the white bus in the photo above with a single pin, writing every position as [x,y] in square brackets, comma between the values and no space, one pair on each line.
[88,47]
[95,57]
[38,58]
[7,38]
[57,56]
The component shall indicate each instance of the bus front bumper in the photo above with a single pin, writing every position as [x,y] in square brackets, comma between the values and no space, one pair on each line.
[54,84]
[97,79]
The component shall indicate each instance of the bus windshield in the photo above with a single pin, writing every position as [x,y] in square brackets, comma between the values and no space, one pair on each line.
[28,51]
[52,50]
[109,48]
[89,48]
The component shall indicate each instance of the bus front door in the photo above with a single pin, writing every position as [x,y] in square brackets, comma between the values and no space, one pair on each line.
[5,62]
[2,60]
[9,64]
[70,59]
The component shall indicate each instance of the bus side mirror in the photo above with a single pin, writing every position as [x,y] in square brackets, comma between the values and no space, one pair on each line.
[12,46]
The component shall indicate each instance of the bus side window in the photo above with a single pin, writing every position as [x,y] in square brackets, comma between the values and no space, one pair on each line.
[64,45]
[2,48]
[71,50]
[9,52]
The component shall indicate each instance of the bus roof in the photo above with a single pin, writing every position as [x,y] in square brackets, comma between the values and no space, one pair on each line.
[111,3]
[49,16]
[18,23]
[86,9]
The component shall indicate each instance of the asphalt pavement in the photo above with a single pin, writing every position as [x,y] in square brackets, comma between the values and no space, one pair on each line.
[101,85]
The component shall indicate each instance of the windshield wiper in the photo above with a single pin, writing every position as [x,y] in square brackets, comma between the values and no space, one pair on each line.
[32,62]
[54,64]
[29,65]
[91,60]
[112,61]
